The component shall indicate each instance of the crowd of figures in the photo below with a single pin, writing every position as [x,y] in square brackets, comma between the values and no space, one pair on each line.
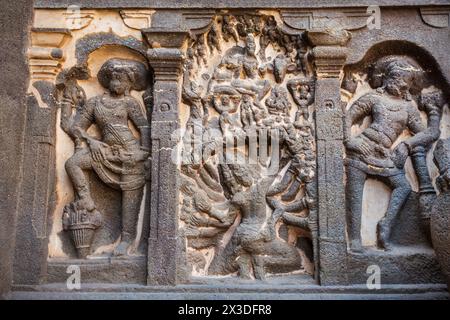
[248,158]
[235,206]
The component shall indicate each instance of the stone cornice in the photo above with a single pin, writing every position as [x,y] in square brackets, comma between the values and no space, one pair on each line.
[242,4]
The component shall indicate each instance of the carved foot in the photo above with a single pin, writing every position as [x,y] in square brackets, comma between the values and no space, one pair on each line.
[244,267]
[383,230]
[258,268]
[121,249]
[356,246]
[86,202]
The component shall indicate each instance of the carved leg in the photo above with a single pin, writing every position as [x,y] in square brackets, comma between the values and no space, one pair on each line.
[400,192]
[292,191]
[74,167]
[354,189]
[258,267]
[278,256]
[244,262]
[131,205]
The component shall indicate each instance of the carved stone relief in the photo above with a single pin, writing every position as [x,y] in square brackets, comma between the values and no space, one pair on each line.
[392,123]
[245,80]
[118,159]
[286,155]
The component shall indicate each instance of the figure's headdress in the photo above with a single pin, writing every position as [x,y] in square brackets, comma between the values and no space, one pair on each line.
[137,72]
[394,65]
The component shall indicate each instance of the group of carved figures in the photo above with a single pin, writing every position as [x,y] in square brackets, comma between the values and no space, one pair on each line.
[235,209]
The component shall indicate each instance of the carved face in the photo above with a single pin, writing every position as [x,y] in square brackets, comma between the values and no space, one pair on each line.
[120,82]
[397,85]
[250,46]
[225,100]
[246,98]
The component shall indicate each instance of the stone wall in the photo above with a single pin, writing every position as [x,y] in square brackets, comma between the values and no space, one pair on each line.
[175,144]
[16,20]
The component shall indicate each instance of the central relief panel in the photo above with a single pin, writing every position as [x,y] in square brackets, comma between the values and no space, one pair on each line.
[247,150]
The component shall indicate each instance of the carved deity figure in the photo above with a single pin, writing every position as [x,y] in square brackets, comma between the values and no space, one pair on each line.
[251,112]
[302,91]
[372,153]
[119,158]
[278,107]
[228,29]
[257,247]
[299,143]
[239,68]
[213,40]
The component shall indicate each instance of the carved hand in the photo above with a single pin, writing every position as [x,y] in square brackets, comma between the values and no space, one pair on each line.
[97,149]
[400,155]
[359,146]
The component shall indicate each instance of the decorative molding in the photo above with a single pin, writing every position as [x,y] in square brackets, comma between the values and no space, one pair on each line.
[198,21]
[45,54]
[347,19]
[137,19]
[164,38]
[436,17]
[77,20]
[329,51]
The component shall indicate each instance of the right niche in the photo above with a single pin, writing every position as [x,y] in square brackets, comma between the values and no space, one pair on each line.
[396,113]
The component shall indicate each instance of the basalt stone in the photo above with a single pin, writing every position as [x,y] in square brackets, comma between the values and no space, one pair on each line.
[229,145]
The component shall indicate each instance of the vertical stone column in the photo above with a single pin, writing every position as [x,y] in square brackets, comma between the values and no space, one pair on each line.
[329,56]
[165,250]
[37,193]
[15,19]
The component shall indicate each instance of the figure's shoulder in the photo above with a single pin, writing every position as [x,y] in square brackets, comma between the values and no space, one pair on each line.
[370,97]
[131,101]
[93,100]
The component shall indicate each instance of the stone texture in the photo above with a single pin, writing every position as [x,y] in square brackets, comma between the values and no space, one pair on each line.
[16,20]
[313,71]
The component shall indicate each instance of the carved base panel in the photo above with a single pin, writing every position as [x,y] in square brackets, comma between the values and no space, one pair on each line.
[100,270]
[234,147]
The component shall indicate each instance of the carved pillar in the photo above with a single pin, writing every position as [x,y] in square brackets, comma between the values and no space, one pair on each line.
[165,247]
[15,19]
[37,194]
[329,56]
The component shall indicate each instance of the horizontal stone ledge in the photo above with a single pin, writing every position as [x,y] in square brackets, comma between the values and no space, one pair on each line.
[250,288]
[218,4]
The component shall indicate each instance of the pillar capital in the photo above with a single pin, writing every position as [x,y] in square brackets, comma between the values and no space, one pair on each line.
[329,52]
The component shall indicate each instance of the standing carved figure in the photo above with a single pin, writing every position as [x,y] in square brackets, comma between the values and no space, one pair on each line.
[251,112]
[228,29]
[119,159]
[302,91]
[213,40]
[369,153]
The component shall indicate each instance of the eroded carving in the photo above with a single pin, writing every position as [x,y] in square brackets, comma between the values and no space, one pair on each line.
[249,162]
[119,159]
[440,219]
[396,81]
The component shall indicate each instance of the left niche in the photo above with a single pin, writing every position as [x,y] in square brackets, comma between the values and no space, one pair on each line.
[93,67]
